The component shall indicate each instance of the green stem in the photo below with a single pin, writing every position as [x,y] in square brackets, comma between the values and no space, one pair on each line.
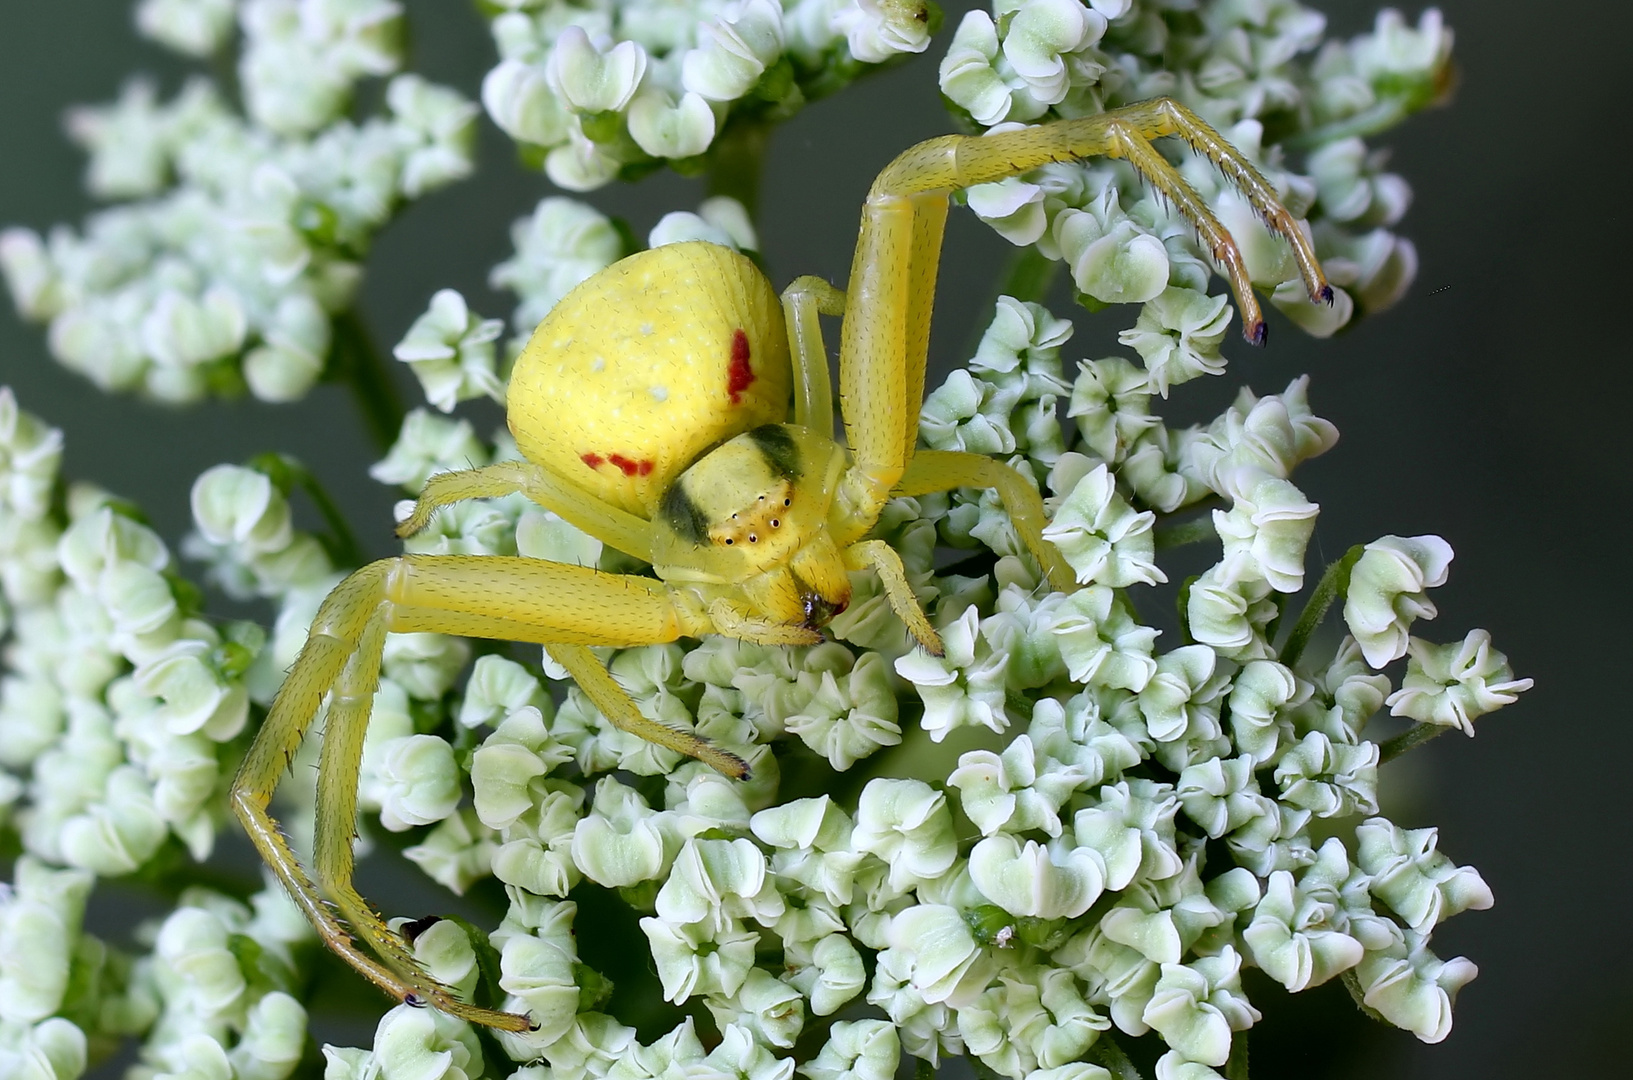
[1028,276]
[1411,738]
[1109,1056]
[354,360]
[288,474]
[1236,1065]
[737,162]
[1167,534]
[1333,584]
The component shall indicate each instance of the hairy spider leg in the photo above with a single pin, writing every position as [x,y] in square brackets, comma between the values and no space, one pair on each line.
[504,598]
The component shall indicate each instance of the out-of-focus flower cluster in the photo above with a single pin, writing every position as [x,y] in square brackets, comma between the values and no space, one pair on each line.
[236,237]
[1259,71]
[601,90]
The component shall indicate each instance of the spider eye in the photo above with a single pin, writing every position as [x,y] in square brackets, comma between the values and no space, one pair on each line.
[730,541]
[775,523]
[753,539]
[785,502]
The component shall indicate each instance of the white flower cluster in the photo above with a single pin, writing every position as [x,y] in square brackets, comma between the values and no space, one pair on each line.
[1141,825]
[1252,69]
[600,90]
[118,704]
[244,235]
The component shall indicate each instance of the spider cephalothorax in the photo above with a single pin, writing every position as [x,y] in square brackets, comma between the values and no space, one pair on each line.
[653,408]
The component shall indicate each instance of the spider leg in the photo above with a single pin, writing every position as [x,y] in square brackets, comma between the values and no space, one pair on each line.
[883,560]
[516,599]
[802,302]
[943,470]
[617,528]
[959,161]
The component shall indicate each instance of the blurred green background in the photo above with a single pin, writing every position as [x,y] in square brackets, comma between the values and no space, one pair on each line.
[1491,407]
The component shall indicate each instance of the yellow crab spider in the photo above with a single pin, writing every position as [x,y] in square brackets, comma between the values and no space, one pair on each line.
[652,407]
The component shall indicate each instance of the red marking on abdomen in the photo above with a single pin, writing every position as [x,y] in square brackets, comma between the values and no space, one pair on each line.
[592,460]
[631,467]
[739,375]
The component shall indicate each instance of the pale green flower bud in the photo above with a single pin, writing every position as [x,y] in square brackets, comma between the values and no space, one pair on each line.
[195,27]
[1418,883]
[694,959]
[1037,36]
[40,920]
[1221,796]
[1034,1018]
[1387,591]
[830,972]
[673,1055]
[424,664]
[768,1008]
[1329,779]
[420,782]
[53,1049]
[734,50]
[1111,400]
[297,343]
[1175,1066]
[1115,264]
[1377,267]
[667,129]
[538,973]
[561,244]
[1450,685]
[457,853]
[498,687]
[119,833]
[1001,791]
[273,1040]
[1049,883]
[960,415]
[182,332]
[31,718]
[1101,642]
[1413,988]
[196,696]
[128,142]
[1102,537]
[968,72]
[593,79]
[1132,829]
[1230,616]
[1395,54]
[1178,335]
[1196,1007]
[680,226]
[876,30]
[621,841]
[847,716]
[1013,207]
[1182,698]
[435,128]
[450,350]
[1265,534]
[963,687]
[424,1044]
[856,1050]
[196,966]
[1293,937]
[1319,319]
[518,98]
[36,288]
[714,880]
[240,507]
[429,444]
[1262,691]
[944,961]
[907,824]
[30,453]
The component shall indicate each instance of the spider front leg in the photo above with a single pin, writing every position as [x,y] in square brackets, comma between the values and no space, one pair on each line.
[512,599]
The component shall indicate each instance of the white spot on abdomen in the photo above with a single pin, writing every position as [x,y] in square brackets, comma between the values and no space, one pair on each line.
[659,393]
[599,364]
[646,329]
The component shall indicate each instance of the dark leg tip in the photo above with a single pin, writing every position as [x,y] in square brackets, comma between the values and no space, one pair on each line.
[532,1024]
[412,930]
[1326,295]
[1256,333]
[414,1001]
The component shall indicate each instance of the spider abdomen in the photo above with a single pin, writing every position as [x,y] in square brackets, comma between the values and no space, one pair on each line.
[646,365]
